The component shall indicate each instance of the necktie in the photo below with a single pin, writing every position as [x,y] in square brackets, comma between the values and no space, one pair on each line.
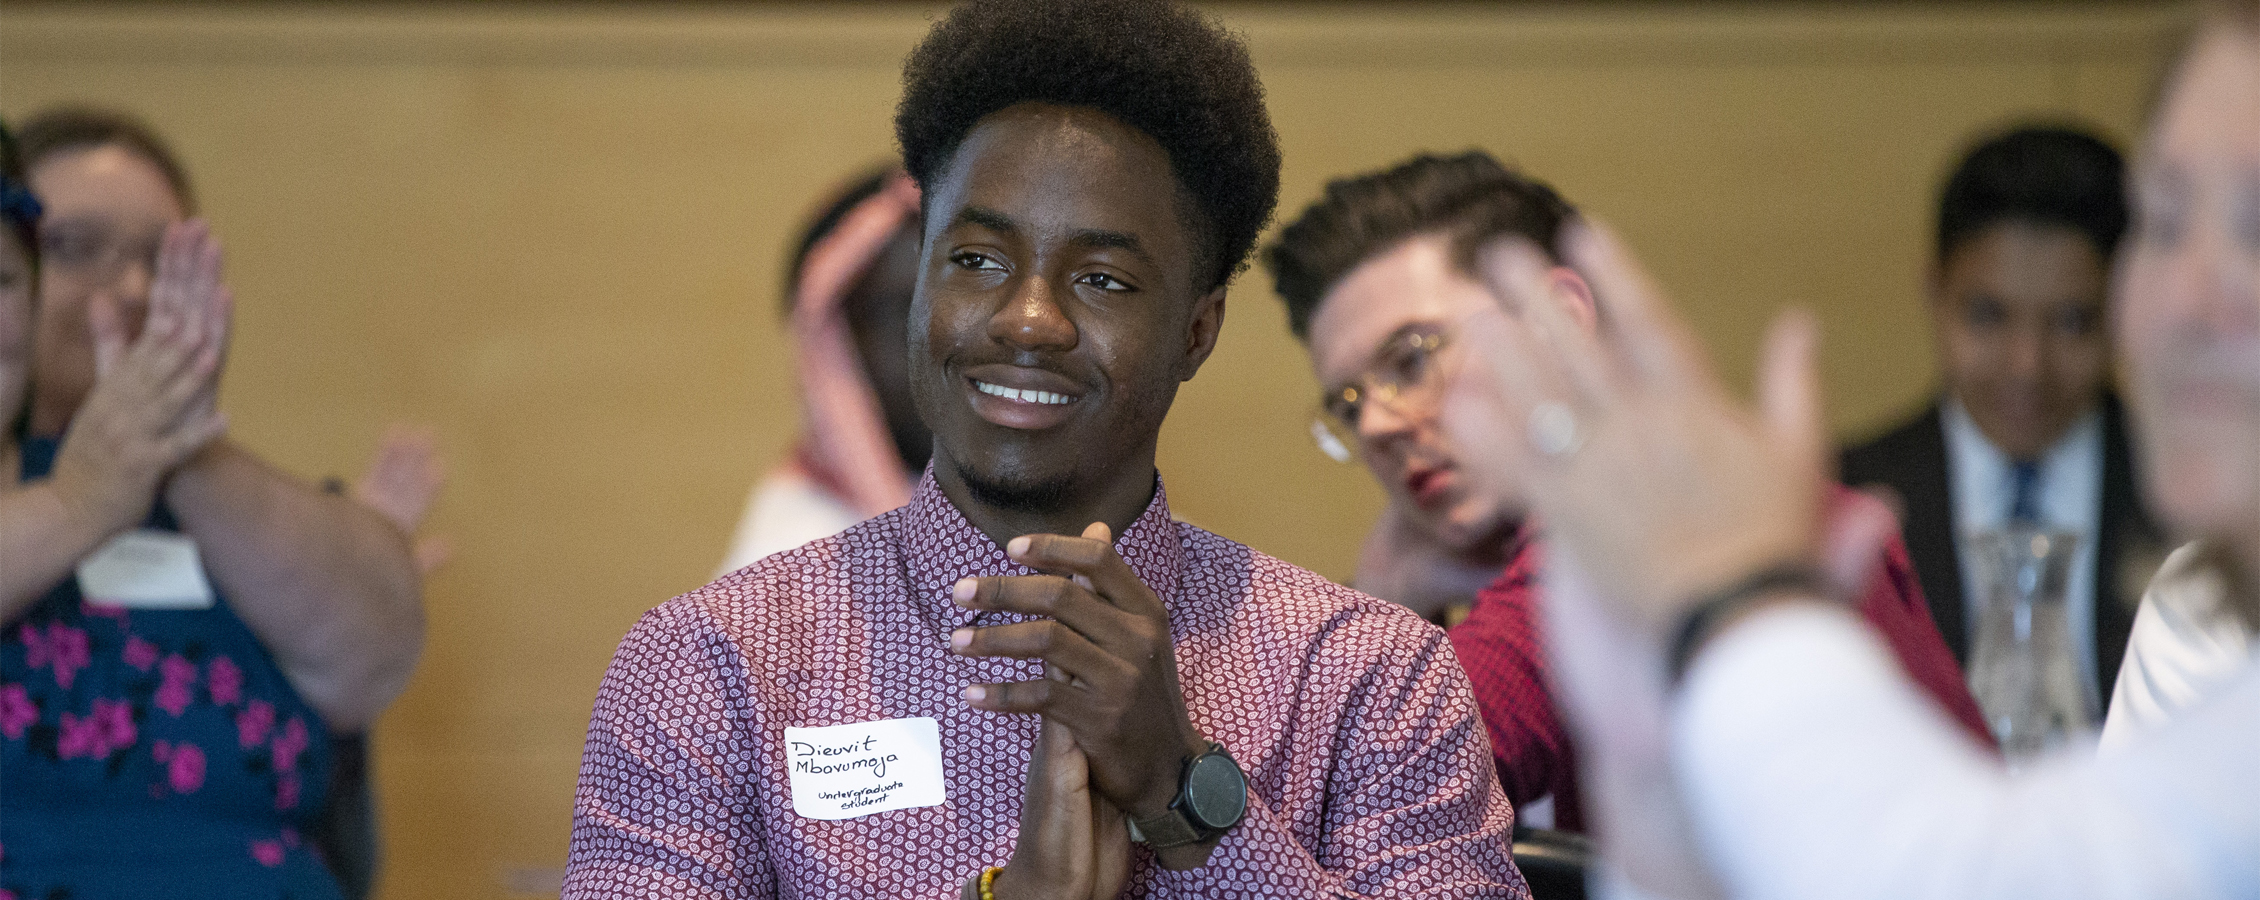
[2024,502]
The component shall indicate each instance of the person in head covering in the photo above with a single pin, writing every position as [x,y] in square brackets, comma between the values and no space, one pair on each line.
[848,303]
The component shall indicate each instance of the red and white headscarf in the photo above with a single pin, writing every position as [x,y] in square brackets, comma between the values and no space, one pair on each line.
[845,444]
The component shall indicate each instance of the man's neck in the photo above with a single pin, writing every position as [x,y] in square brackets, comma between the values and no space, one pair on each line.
[1117,502]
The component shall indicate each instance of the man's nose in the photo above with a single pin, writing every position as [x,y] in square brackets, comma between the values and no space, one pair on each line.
[2023,353]
[1033,319]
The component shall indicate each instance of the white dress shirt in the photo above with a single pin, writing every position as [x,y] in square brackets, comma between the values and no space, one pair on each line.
[787,509]
[1812,769]
[1983,485]
[2185,646]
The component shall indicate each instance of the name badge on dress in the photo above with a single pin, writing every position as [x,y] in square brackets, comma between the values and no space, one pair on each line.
[146,569]
[845,771]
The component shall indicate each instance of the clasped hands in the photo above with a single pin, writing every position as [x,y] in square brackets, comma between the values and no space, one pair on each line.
[1115,731]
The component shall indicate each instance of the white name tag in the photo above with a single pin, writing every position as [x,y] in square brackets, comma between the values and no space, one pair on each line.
[146,569]
[845,771]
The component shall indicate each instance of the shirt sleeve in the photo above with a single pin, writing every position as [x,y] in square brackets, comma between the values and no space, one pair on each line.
[1506,666]
[1413,808]
[1813,770]
[661,810]
[2182,647]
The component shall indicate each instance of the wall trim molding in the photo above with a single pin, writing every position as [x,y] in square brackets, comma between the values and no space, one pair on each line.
[877,35]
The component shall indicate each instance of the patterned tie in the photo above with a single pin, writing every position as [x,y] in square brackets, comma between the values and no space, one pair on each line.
[2024,503]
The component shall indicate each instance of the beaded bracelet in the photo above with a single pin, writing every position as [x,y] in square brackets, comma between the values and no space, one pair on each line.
[989,881]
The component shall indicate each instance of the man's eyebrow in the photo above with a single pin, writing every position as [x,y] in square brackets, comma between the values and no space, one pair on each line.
[1099,238]
[987,218]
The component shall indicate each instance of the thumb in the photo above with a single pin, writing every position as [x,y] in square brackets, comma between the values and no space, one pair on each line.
[1789,388]
[109,330]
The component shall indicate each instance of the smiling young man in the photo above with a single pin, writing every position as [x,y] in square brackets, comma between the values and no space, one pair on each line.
[1031,681]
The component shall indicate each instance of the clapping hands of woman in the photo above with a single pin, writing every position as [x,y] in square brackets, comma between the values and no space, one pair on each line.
[155,398]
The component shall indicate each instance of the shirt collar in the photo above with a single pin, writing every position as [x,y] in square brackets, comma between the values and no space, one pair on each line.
[941,546]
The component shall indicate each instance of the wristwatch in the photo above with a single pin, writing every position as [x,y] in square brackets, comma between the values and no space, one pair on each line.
[1212,795]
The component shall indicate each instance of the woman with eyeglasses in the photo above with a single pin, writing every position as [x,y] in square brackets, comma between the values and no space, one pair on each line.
[175,666]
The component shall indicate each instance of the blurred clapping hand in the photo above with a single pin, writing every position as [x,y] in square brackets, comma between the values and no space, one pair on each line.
[155,398]
[1658,489]
[401,484]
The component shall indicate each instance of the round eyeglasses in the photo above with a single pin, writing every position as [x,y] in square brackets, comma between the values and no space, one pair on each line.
[1404,373]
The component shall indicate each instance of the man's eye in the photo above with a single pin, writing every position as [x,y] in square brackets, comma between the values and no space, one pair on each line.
[1984,313]
[975,262]
[1105,282]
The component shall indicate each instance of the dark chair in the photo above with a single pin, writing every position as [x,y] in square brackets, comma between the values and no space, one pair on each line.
[346,830]
[1554,862]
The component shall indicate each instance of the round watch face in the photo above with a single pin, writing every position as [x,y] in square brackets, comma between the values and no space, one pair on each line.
[1216,794]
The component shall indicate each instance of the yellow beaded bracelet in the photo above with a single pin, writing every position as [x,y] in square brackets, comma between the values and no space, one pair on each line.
[988,882]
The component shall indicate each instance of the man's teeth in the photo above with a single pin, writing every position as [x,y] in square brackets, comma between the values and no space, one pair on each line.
[1044,397]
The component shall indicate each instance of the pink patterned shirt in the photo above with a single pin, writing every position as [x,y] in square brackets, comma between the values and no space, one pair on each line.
[1368,770]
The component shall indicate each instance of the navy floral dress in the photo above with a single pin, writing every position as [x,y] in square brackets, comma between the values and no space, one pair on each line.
[151,753]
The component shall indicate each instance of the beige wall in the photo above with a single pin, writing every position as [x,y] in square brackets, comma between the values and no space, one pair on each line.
[555,235]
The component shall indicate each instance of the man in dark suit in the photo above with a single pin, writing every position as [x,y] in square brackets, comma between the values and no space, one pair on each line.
[2026,428]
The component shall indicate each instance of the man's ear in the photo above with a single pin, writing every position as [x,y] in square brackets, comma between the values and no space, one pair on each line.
[1575,296]
[1201,335]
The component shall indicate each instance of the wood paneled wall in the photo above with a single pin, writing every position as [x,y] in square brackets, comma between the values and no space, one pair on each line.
[554,233]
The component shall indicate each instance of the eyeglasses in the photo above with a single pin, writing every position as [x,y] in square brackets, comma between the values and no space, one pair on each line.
[1404,371]
[93,251]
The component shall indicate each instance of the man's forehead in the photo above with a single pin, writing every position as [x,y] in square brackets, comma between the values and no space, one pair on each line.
[1063,170]
[1411,285]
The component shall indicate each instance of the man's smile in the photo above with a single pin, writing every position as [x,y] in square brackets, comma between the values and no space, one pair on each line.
[1046,398]
[1022,397]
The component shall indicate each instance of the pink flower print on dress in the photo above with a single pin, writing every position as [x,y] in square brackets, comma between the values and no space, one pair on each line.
[35,646]
[16,711]
[80,737]
[253,723]
[161,751]
[114,718]
[185,771]
[173,694]
[286,791]
[289,742]
[140,654]
[268,853]
[224,680]
[67,651]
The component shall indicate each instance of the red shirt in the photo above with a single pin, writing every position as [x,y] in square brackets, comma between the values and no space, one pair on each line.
[1505,657]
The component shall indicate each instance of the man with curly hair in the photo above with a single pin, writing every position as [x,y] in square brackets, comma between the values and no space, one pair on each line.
[1031,681]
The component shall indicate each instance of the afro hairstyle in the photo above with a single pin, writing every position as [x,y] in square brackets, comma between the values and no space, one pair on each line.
[1155,65]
